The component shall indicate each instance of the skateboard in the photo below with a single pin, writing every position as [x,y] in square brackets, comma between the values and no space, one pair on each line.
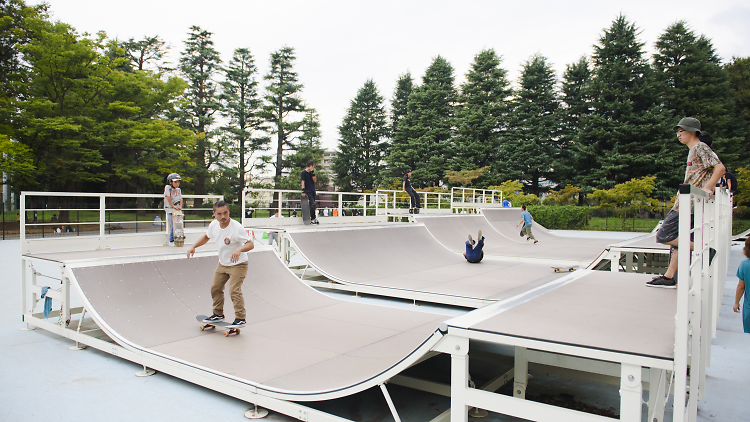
[305,201]
[561,269]
[228,328]
[179,228]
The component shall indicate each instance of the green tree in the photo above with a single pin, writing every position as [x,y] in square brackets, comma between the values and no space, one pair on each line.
[200,65]
[307,147]
[424,136]
[464,178]
[363,141]
[693,83]
[147,53]
[628,197]
[282,104]
[513,191]
[575,100]
[627,135]
[481,117]
[243,106]
[533,129]
[404,89]
[739,82]
[565,196]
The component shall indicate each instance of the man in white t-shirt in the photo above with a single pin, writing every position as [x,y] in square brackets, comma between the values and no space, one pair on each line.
[234,243]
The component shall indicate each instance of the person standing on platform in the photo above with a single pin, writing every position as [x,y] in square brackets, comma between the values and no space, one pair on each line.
[414,204]
[474,251]
[526,220]
[234,243]
[506,203]
[743,288]
[704,170]
[172,201]
[308,179]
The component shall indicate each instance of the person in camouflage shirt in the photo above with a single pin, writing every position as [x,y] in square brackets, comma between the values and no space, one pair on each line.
[703,170]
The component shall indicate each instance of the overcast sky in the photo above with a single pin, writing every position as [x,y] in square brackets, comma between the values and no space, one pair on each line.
[341,44]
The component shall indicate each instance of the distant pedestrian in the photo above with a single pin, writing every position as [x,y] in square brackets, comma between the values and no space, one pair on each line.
[506,203]
[743,288]
[414,204]
[308,179]
[526,220]
[273,235]
[294,213]
[474,253]
[172,201]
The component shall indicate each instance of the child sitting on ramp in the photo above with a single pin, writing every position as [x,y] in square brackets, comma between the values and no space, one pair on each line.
[474,251]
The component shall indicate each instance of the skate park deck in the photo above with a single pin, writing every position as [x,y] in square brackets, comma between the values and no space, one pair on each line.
[603,311]
[406,259]
[298,344]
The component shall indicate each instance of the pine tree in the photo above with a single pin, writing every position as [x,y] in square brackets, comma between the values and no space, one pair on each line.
[200,64]
[242,108]
[282,103]
[576,105]
[533,128]
[627,135]
[404,89]
[481,117]
[147,53]
[307,147]
[363,141]
[693,83]
[425,133]
[739,80]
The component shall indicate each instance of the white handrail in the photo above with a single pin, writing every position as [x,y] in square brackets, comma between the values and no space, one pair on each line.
[369,200]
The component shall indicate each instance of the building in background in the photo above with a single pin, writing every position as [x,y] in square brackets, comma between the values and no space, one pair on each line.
[327,164]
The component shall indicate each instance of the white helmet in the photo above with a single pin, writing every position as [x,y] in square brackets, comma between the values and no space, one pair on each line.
[173,176]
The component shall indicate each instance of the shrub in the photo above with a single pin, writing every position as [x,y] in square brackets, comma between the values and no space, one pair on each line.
[565,217]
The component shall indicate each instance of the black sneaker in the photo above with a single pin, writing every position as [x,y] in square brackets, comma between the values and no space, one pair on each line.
[238,322]
[663,282]
[536,241]
[315,221]
[214,318]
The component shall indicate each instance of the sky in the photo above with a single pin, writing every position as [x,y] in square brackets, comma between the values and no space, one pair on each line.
[341,44]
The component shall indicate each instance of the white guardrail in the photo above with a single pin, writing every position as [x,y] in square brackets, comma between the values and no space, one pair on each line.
[263,203]
[73,214]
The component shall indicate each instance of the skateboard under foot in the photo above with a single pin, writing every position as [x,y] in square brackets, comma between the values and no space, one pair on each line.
[228,328]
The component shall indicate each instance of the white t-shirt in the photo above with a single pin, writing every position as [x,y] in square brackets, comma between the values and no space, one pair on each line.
[228,240]
[175,195]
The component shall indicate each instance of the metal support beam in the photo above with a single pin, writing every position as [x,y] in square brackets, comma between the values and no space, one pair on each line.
[390,402]
[631,393]
[459,387]
[520,373]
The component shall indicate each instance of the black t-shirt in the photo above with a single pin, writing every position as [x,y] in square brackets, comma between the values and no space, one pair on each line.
[407,186]
[309,184]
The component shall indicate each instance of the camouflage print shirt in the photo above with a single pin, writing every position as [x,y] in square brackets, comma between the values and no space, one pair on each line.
[700,167]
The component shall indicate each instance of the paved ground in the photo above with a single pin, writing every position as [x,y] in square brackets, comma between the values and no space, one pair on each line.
[44,381]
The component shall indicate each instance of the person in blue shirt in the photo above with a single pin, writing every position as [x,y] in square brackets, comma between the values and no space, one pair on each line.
[743,273]
[526,221]
[474,252]
[506,203]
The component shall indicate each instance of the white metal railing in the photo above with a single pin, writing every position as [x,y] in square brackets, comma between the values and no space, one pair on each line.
[102,218]
[399,199]
[287,202]
[467,196]
[699,292]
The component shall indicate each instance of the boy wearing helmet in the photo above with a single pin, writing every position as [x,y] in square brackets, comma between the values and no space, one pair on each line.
[172,200]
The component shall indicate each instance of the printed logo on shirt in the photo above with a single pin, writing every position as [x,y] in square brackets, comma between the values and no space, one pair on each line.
[690,164]
[227,241]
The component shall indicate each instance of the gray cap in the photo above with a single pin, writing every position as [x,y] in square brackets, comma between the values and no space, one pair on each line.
[173,176]
[690,124]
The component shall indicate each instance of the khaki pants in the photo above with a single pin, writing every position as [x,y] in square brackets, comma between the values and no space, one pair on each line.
[527,231]
[235,274]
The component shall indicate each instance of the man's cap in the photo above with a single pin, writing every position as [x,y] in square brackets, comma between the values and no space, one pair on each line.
[690,124]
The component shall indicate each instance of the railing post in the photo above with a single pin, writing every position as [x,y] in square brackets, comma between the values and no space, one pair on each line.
[341,204]
[102,214]
[281,196]
[22,220]
[244,193]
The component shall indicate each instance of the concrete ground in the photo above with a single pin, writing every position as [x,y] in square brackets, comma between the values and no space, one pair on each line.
[44,381]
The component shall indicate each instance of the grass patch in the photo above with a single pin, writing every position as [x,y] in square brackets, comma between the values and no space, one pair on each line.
[617,224]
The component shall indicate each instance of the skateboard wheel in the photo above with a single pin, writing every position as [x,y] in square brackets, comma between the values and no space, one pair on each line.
[203,328]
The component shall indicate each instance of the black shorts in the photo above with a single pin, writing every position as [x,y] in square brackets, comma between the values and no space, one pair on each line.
[670,227]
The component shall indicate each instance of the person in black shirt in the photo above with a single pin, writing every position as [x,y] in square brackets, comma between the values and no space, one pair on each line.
[414,204]
[308,179]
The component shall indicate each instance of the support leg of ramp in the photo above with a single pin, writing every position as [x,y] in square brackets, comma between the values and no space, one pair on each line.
[256,413]
[145,373]
[390,402]
[631,393]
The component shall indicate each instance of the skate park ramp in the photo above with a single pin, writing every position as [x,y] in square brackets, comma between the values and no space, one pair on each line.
[742,236]
[408,258]
[613,312]
[452,232]
[298,343]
